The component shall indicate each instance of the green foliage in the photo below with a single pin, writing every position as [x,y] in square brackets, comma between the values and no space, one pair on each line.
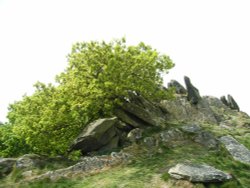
[10,143]
[98,78]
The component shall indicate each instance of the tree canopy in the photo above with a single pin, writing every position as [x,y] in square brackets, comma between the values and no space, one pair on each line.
[98,78]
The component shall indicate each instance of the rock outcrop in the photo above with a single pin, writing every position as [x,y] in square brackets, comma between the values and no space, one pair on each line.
[230,102]
[198,173]
[182,110]
[193,93]
[86,166]
[238,151]
[140,113]
[102,134]
[179,89]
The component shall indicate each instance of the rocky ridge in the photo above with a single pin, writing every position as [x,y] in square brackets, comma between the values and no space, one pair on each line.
[189,118]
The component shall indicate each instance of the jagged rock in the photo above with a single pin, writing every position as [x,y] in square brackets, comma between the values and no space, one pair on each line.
[129,119]
[135,135]
[6,166]
[143,111]
[238,151]
[30,161]
[181,110]
[224,100]
[98,135]
[232,103]
[87,166]
[179,89]
[198,173]
[193,93]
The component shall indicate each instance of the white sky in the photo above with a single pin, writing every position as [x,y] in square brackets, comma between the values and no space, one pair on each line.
[209,41]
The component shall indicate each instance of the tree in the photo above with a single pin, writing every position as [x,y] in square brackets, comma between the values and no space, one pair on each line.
[98,78]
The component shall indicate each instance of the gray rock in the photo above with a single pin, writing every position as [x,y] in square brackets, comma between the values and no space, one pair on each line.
[198,173]
[86,166]
[232,103]
[134,135]
[224,100]
[179,89]
[181,110]
[30,161]
[191,128]
[171,135]
[98,134]
[200,136]
[206,139]
[129,119]
[238,151]
[193,93]
[144,111]
[6,166]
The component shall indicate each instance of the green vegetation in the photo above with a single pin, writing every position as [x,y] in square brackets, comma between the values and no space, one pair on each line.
[99,77]
[149,169]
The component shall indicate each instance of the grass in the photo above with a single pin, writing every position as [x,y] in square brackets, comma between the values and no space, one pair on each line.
[151,171]
[150,167]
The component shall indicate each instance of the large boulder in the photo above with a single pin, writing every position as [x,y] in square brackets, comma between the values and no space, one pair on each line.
[198,173]
[238,151]
[6,166]
[101,134]
[140,113]
[179,89]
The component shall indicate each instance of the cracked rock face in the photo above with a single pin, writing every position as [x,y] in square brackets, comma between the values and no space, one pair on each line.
[238,151]
[198,173]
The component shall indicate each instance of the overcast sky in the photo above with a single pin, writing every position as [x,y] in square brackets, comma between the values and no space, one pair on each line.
[209,41]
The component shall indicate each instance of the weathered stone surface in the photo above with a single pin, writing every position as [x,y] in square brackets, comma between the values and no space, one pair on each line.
[87,166]
[134,135]
[30,161]
[193,93]
[198,173]
[171,135]
[191,128]
[98,134]
[238,151]
[232,103]
[144,110]
[206,139]
[179,89]
[224,100]
[181,110]
[130,119]
[6,166]
[200,136]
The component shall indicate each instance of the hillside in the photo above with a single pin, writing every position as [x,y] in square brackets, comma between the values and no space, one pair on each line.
[190,141]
